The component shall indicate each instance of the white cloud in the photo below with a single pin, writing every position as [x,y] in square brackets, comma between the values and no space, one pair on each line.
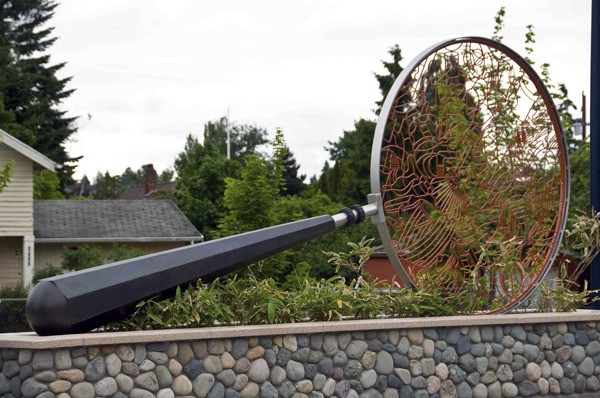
[150,72]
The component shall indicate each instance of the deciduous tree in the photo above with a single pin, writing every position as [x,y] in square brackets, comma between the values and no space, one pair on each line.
[201,173]
[244,139]
[46,185]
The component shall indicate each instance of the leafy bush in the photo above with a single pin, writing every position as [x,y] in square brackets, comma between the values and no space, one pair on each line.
[258,298]
[563,293]
[261,300]
[46,271]
[86,256]
[13,290]
[193,307]
[122,252]
[82,257]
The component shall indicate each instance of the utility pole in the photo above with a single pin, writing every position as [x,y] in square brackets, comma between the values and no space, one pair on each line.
[583,118]
[595,134]
[228,137]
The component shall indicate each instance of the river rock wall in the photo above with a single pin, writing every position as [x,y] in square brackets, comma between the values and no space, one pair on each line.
[515,360]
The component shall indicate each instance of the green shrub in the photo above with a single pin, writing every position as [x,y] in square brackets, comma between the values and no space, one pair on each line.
[85,256]
[563,293]
[196,306]
[46,271]
[82,257]
[257,299]
[13,290]
[120,252]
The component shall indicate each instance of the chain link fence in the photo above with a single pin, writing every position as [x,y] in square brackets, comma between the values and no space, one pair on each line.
[12,315]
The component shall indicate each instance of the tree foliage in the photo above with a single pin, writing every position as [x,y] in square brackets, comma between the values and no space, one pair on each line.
[106,187]
[255,201]
[348,180]
[580,201]
[278,170]
[203,167]
[201,173]
[30,91]
[499,24]
[386,81]
[311,254]
[244,139]
[248,200]
[579,153]
[46,185]
[130,178]
[294,182]
[6,172]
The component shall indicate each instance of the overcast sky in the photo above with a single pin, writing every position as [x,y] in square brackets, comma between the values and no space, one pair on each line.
[148,73]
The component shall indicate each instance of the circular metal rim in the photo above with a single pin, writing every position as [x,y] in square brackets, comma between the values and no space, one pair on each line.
[563,208]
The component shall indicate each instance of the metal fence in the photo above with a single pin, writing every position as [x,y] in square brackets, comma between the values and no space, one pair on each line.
[12,315]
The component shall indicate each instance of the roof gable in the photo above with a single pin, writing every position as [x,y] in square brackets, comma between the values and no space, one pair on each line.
[111,221]
[27,151]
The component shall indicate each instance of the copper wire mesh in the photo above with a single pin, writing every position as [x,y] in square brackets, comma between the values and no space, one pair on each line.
[473,176]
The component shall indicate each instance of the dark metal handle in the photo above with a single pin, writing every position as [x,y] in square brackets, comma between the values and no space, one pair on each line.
[81,301]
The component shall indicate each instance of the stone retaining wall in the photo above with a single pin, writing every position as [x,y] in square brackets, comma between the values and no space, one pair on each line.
[487,356]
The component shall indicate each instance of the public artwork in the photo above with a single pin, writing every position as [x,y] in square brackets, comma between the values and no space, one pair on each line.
[472,170]
[469,180]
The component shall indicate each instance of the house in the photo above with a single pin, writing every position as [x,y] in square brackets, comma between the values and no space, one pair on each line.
[34,233]
[380,269]
[148,225]
[16,209]
[151,189]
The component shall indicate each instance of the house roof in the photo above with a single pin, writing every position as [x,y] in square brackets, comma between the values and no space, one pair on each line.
[27,151]
[111,221]
[139,191]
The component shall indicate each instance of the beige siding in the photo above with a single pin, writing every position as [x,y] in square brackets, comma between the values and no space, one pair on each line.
[16,201]
[11,260]
[47,254]
[51,253]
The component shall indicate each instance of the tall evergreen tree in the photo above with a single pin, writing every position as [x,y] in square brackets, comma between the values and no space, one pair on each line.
[30,91]
[294,183]
[347,181]
[386,81]
[106,186]
[131,178]
[285,169]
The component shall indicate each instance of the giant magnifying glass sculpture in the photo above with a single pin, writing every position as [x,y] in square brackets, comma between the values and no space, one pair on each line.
[470,186]
[471,163]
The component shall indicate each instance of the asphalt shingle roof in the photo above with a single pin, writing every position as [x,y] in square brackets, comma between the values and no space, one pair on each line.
[111,220]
